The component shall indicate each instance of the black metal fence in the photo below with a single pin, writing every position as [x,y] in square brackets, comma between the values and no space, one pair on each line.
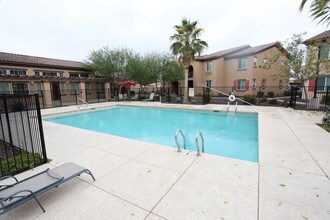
[309,97]
[22,144]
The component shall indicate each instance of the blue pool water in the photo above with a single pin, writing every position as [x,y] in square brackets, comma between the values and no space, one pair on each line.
[232,135]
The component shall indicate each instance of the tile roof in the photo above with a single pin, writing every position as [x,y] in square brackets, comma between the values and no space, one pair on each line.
[322,36]
[221,53]
[253,50]
[18,59]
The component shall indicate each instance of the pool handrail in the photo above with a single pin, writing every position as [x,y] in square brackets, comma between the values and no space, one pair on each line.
[199,134]
[176,139]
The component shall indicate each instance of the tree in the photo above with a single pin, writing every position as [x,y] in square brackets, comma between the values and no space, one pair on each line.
[139,70]
[303,63]
[320,10]
[171,70]
[110,62]
[186,45]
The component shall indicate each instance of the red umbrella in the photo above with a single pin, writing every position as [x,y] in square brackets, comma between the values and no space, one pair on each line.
[127,83]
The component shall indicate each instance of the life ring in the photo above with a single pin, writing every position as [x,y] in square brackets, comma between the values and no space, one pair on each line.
[231,98]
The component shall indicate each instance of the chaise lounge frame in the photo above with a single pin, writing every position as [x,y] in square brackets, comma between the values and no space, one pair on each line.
[16,194]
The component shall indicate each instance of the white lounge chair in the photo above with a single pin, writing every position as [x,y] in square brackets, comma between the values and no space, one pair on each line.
[122,97]
[151,97]
[136,96]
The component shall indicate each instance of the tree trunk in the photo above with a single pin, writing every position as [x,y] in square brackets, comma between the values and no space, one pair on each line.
[185,88]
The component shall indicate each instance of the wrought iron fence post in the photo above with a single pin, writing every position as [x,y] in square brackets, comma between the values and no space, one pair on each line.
[291,97]
[42,98]
[76,95]
[9,127]
[41,130]
[326,96]
[86,95]
[97,94]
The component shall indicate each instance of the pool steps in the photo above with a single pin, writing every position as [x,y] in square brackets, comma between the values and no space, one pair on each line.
[198,135]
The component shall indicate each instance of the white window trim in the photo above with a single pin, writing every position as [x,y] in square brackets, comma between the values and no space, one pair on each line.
[238,62]
[244,85]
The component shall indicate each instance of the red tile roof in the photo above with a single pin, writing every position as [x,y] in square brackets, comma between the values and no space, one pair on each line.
[25,60]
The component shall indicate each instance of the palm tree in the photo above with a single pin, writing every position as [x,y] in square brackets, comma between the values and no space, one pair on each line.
[186,45]
[320,10]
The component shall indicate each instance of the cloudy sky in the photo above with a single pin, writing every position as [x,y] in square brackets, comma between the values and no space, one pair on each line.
[70,29]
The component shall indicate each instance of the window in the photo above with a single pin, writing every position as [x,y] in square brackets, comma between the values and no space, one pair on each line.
[62,88]
[100,87]
[20,88]
[84,74]
[37,73]
[242,64]
[3,72]
[60,74]
[4,88]
[255,60]
[240,84]
[18,72]
[254,84]
[39,89]
[282,64]
[323,83]
[74,88]
[88,87]
[51,74]
[74,74]
[209,66]
[209,83]
[325,53]
[265,63]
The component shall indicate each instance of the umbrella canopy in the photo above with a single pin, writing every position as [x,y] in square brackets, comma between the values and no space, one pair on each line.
[127,83]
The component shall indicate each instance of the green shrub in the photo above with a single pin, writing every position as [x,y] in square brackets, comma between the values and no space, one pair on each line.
[23,162]
[287,93]
[273,101]
[250,98]
[260,94]
[270,94]
[263,99]
[323,99]
[206,98]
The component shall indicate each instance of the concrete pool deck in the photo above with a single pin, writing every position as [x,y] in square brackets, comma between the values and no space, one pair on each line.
[138,180]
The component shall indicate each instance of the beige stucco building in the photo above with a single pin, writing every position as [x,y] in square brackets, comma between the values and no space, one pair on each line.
[242,70]
[56,81]
[320,45]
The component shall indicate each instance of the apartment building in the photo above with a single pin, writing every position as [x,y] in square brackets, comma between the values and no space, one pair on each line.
[243,70]
[321,44]
[54,79]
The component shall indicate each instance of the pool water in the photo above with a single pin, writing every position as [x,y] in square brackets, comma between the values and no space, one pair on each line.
[232,135]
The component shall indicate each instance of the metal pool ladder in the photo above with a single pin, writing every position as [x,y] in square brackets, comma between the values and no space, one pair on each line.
[81,100]
[176,140]
[199,134]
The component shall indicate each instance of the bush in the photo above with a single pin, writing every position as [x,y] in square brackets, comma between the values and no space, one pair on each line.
[270,94]
[260,94]
[287,93]
[206,98]
[20,163]
[323,99]
[273,101]
[250,98]
[263,99]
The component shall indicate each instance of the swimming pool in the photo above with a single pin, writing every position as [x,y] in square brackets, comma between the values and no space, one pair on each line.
[232,135]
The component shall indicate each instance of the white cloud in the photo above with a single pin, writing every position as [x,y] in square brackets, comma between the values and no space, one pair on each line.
[69,29]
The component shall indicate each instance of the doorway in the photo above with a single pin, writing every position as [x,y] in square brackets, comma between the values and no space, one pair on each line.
[55,87]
